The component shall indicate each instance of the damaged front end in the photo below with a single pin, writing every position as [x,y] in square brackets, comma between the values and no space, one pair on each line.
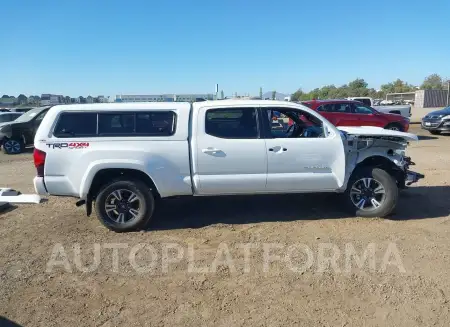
[375,145]
[411,176]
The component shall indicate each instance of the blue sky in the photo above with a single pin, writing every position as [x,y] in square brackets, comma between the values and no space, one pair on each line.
[82,47]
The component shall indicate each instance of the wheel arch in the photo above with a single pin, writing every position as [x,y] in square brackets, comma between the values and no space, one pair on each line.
[378,161]
[104,175]
[394,124]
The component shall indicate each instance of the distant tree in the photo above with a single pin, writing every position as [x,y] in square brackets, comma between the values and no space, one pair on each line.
[66,99]
[82,99]
[433,82]
[398,86]
[22,99]
[274,95]
[297,95]
[358,83]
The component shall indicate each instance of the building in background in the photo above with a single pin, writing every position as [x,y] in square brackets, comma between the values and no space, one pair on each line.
[164,98]
[8,102]
[102,99]
[89,99]
[431,98]
[402,97]
[422,98]
[51,99]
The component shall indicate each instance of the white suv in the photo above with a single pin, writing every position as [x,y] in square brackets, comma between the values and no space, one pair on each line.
[124,156]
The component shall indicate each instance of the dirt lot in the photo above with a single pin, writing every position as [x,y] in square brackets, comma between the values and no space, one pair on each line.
[413,291]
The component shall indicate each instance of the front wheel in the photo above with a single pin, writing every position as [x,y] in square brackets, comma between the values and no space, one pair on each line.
[435,132]
[125,205]
[371,192]
[394,127]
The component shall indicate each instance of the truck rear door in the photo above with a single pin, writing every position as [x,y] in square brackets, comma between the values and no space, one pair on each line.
[228,154]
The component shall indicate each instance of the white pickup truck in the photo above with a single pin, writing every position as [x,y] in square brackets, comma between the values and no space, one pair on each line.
[404,110]
[123,157]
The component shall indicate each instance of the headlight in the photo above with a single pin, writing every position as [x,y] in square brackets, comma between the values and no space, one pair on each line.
[446,117]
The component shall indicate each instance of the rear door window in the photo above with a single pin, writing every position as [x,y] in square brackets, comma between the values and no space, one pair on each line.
[340,107]
[361,109]
[233,123]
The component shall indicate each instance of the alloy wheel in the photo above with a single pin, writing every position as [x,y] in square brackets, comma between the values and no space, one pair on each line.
[123,206]
[12,146]
[367,194]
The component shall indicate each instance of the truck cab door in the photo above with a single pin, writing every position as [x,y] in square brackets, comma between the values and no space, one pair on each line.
[314,160]
[229,156]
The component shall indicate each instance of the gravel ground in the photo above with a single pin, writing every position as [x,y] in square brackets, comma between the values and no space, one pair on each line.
[39,286]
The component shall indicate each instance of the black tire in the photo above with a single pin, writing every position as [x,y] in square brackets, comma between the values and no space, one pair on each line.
[12,146]
[395,127]
[146,205]
[435,132]
[389,202]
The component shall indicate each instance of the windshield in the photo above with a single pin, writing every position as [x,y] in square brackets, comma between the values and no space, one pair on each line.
[27,116]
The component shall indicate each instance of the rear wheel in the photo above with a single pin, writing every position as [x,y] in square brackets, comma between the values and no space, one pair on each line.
[394,127]
[125,205]
[12,146]
[371,192]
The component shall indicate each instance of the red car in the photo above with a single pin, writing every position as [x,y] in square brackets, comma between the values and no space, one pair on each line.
[354,113]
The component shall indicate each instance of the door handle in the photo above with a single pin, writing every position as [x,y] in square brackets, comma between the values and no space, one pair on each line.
[210,150]
[273,149]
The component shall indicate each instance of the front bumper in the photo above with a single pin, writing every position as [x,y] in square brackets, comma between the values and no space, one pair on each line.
[436,125]
[412,177]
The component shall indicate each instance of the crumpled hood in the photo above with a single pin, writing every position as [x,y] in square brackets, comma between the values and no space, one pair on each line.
[377,131]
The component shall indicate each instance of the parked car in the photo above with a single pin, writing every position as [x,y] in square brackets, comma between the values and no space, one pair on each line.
[437,122]
[390,108]
[354,113]
[17,134]
[123,157]
[6,117]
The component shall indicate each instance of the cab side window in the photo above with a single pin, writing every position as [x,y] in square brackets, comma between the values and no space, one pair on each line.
[232,123]
[294,124]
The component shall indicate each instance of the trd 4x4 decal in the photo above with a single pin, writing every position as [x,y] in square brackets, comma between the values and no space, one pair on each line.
[71,145]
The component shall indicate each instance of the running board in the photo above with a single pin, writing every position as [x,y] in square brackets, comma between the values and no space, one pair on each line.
[8,195]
